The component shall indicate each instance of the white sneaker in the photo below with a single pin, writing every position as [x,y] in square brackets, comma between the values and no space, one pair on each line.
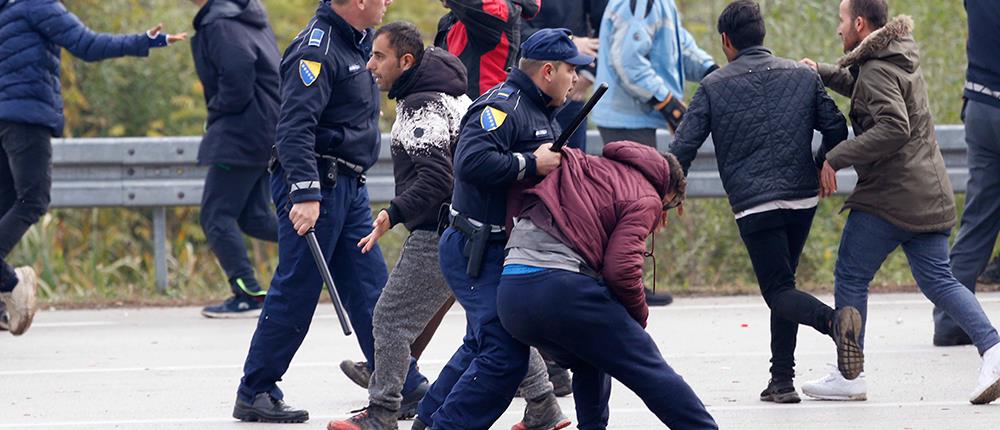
[21,301]
[988,388]
[835,387]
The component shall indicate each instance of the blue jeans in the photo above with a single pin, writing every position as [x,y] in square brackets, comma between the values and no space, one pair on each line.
[865,244]
[344,218]
[479,382]
[981,218]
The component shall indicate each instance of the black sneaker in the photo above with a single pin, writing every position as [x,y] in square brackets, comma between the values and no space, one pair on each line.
[658,298]
[780,392]
[266,409]
[543,414]
[992,273]
[846,332]
[562,382]
[357,372]
[408,407]
[235,307]
[4,318]
[373,417]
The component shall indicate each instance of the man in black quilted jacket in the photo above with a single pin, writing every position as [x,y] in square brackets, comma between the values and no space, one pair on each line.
[761,111]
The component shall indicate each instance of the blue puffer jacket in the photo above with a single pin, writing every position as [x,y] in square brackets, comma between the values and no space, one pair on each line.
[31,33]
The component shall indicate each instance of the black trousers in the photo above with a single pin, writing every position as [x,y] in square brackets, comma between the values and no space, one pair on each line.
[775,240]
[25,182]
[237,200]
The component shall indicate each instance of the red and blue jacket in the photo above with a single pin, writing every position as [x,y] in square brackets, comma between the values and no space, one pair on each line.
[485,35]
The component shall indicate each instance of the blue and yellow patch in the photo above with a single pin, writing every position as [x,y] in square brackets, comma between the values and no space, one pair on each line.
[309,71]
[492,118]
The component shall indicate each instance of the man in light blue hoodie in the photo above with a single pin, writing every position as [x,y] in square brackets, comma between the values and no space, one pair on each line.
[648,57]
[645,57]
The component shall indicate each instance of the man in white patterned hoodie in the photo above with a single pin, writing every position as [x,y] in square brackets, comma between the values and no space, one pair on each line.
[429,87]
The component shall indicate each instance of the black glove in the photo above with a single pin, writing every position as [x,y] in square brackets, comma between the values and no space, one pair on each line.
[672,108]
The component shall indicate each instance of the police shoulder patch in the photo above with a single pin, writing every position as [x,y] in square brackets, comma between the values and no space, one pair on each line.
[316,37]
[309,71]
[492,118]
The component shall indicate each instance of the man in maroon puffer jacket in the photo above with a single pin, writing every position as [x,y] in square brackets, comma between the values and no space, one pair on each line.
[572,279]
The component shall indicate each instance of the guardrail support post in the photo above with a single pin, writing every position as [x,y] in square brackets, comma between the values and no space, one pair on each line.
[160,248]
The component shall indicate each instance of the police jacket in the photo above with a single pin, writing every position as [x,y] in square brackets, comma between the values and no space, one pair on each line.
[329,102]
[499,134]
[237,61]
[761,111]
[486,36]
[431,102]
[982,79]
[31,34]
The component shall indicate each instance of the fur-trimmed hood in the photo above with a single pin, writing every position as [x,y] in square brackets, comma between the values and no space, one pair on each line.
[893,43]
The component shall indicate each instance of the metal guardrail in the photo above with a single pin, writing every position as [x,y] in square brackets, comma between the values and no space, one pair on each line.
[162,172]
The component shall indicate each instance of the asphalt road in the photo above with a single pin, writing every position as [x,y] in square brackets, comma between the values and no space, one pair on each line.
[173,369]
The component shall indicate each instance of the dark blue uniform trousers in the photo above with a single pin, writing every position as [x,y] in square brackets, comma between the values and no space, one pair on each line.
[576,321]
[237,200]
[345,217]
[480,380]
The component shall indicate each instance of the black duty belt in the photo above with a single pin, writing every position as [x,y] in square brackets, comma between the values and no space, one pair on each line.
[329,166]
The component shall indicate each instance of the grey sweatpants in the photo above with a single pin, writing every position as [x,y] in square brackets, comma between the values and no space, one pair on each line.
[414,293]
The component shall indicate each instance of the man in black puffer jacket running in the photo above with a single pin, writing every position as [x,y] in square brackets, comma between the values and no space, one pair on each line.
[761,111]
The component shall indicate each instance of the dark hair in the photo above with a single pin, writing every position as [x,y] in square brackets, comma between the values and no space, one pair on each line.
[876,12]
[678,182]
[743,23]
[404,37]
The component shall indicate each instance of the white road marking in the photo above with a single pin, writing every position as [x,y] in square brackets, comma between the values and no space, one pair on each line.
[516,411]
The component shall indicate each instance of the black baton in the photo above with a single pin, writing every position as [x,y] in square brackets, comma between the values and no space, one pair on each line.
[324,271]
[580,117]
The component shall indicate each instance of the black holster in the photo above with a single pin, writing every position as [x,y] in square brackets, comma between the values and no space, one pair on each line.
[475,246]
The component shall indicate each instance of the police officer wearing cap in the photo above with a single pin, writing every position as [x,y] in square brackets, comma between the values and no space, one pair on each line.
[327,137]
[506,137]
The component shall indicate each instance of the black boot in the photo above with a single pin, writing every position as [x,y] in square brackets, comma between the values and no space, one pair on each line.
[780,392]
[418,425]
[543,414]
[658,298]
[266,409]
[562,382]
[357,372]
[373,417]
[991,275]
[408,407]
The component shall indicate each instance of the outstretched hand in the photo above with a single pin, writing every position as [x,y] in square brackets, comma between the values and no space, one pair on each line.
[171,38]
[381,225]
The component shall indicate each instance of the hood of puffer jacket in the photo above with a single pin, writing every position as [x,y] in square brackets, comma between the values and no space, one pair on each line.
[893,43]
[643,158]
[247,11]
[439,71]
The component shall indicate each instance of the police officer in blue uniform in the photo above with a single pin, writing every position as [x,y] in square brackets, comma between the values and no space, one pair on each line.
[327,137]
[506,138]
